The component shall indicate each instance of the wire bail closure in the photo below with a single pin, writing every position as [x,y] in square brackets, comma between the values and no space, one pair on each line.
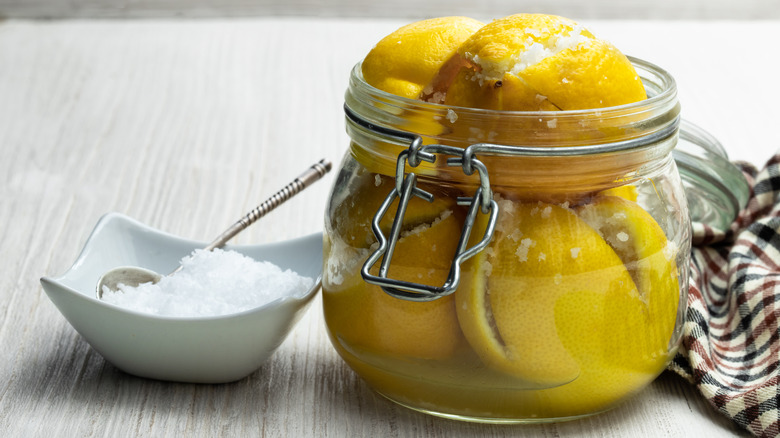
[406,188]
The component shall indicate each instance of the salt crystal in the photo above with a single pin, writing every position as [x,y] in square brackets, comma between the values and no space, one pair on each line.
[617,217]
[575,252]
[438,97]
[212,283]
[377,180]
[424,227]
[452,116]
[522,250]
[505,205]
[476,133]
[487,269]
[536,52]
[622,236]
[670,250]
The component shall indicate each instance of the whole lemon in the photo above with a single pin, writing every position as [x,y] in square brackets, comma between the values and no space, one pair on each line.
[406,61]
[542,62]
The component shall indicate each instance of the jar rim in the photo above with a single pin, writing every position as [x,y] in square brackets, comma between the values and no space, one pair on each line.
[562,133]
[664,91]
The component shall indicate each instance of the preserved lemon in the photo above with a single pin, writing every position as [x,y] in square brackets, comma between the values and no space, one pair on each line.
[406,61]
[542,62]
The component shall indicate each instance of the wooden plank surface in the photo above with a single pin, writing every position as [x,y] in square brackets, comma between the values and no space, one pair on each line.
[185,125]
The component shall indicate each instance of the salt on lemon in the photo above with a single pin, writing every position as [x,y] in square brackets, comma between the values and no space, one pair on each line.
[534,62]
[523,62]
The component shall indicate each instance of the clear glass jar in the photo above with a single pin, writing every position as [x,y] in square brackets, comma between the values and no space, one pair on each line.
[569,284]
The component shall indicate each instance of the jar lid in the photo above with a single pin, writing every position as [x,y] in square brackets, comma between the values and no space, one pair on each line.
[716,188]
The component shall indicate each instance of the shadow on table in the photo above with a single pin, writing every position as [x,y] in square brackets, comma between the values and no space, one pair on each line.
[296,393]
[354,403]
[647,413]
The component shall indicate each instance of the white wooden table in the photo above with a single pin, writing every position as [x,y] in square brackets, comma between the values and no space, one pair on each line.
[185,125]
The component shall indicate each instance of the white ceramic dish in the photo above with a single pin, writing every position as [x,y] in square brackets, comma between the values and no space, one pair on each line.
[184,349]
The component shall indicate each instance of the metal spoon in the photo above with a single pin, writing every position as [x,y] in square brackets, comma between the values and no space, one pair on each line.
[133,276]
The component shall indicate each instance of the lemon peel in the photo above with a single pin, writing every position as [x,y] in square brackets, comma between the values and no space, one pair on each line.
[367,317]
[507,317]
[552,62]
[651,260]
[407,60]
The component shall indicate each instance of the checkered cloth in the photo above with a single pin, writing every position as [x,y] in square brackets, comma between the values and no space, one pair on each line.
[731,342]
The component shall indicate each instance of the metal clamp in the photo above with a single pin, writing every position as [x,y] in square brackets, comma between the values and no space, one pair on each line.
[405,188]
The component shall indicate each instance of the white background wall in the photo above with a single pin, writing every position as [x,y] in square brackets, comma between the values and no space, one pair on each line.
[481,9]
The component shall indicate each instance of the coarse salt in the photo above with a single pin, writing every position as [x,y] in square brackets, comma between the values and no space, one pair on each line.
[522,250]
[452,116]
[212,283]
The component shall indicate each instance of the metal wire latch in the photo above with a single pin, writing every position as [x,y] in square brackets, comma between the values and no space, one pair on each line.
[405,188]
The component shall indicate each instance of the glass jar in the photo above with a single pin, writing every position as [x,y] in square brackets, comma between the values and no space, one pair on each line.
[507,266]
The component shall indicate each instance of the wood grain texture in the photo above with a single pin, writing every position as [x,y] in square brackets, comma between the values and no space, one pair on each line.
[186,125]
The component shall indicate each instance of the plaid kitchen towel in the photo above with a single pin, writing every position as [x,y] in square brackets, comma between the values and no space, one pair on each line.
[731,343]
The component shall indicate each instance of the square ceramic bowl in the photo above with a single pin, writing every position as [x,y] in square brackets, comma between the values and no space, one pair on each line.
[215,349]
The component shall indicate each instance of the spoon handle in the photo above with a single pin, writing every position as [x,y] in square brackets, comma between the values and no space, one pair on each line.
[312,174]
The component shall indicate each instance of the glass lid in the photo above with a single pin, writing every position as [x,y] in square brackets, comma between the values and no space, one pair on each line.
[716,188]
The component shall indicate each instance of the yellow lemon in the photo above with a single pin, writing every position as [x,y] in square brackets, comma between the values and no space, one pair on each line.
[509,94]
[541,256]
[560,296]
[350,219]
[417,61]
[651,260]
[546,62]
[627,192]
[406,61]
[363,315]
[634,339]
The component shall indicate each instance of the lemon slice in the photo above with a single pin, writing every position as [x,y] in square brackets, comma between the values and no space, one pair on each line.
[364,315]
[543,258]
[652,262]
